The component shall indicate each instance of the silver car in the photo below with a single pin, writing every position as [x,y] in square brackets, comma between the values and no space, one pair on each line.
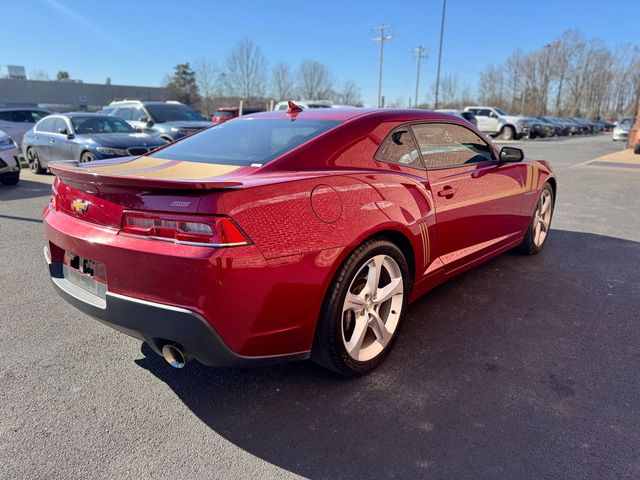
[9,162]
[18,121]
[621,130]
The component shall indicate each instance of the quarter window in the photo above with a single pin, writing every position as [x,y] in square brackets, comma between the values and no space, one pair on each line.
[445,145]
[400,148]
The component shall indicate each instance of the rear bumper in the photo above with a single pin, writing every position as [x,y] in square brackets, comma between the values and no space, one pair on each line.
[159,324]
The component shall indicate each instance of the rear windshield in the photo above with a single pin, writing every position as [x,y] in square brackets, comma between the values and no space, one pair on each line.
[246,141]
[222,113]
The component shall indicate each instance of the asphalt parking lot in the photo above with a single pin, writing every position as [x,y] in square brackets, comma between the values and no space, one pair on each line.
[526,367]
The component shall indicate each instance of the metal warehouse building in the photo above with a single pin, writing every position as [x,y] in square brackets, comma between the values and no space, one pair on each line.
[70,95]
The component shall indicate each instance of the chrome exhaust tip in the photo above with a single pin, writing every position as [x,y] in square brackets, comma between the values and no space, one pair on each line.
[174,356]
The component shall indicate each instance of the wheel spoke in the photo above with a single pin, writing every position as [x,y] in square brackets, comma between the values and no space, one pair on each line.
[383,294]
[379,328]
[373,276]
[354,302]
[355,343]
[546,203]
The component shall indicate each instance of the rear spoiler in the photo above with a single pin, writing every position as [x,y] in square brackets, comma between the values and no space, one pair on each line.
[72,173]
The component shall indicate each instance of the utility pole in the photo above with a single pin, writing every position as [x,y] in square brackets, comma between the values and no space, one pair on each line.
[420,54]
[382,27]
[444,7]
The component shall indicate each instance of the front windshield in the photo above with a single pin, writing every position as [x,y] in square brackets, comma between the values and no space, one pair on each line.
[500,111]
[245,141]
[172,112]
[102,124]
[625,121]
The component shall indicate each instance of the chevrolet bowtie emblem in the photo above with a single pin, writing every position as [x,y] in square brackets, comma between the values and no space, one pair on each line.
[79,206]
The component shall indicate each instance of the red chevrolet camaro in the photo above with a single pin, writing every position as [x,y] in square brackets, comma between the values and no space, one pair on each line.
[287,235]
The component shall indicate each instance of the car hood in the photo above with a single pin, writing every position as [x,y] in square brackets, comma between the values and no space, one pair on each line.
[122,140]
[186,124]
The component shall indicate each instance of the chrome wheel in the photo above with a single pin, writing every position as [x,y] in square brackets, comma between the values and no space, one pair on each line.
[372,308]
[86,158]
[542,218]
[34,162]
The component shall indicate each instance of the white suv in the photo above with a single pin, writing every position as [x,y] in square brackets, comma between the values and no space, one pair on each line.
[496,122]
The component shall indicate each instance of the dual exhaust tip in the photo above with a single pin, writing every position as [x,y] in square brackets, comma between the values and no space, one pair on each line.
[175,356]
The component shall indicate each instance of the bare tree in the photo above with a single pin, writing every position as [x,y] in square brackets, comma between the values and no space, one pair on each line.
[245,74]
[282,82]
[349,94]
[39,75]
[207,75]
[316,81]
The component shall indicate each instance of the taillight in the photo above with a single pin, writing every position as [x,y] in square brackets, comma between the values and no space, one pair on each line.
[184,229]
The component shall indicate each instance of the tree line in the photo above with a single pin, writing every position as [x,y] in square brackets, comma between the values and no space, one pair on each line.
[571,76]
[246,75]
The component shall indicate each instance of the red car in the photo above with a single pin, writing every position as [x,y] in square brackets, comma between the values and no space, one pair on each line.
[288,235]
[224,114]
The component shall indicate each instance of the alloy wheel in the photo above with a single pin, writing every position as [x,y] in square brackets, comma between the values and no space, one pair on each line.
[372,308]
[542,218]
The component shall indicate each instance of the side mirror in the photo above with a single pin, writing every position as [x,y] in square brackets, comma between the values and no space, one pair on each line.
[150,123]
[493,115]
[143,119]
[511,154]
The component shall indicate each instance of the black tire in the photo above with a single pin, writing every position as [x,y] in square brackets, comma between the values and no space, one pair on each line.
[528,246]
[328,349]
[10,178]
[34,162]
[87,157]
[636,148]
[508,133]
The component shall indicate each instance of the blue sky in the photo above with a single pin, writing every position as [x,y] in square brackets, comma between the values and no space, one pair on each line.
[138,42]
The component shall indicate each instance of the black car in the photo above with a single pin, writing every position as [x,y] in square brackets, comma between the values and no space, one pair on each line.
[83,137]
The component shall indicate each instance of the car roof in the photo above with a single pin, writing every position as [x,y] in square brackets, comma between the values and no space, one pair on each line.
[83,114]
[346,114]
[17,109]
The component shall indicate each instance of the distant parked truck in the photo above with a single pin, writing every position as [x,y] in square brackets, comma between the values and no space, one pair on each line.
[223,114]
[497,122]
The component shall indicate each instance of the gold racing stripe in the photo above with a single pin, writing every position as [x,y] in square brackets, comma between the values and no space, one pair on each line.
[188,171]
[424,233]
[124,167]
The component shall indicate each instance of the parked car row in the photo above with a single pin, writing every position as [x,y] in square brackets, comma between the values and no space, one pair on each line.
[497,123]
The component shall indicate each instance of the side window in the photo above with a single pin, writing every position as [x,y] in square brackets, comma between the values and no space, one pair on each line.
[6,116]
[46,125]
[485,112]
[445,145]
[123,113]
[399,148]
[59,124]
[136,114]
[22,116]
[38,115]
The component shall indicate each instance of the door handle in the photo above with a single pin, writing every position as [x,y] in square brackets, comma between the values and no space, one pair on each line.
[447,192]
[53,140]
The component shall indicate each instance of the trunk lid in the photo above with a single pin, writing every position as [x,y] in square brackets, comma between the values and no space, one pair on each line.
[99,192]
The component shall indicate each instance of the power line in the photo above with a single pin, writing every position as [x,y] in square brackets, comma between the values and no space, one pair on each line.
[381,38]
[420,53]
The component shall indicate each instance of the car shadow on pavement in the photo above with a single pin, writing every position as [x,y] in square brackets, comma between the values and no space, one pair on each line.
[24,189]
[525,367]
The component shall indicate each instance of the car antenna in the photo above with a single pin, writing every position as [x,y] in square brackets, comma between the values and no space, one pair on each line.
[293,108]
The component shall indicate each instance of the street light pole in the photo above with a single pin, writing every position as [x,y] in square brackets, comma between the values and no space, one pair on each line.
[382,27]
[444,7]
[419,51]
